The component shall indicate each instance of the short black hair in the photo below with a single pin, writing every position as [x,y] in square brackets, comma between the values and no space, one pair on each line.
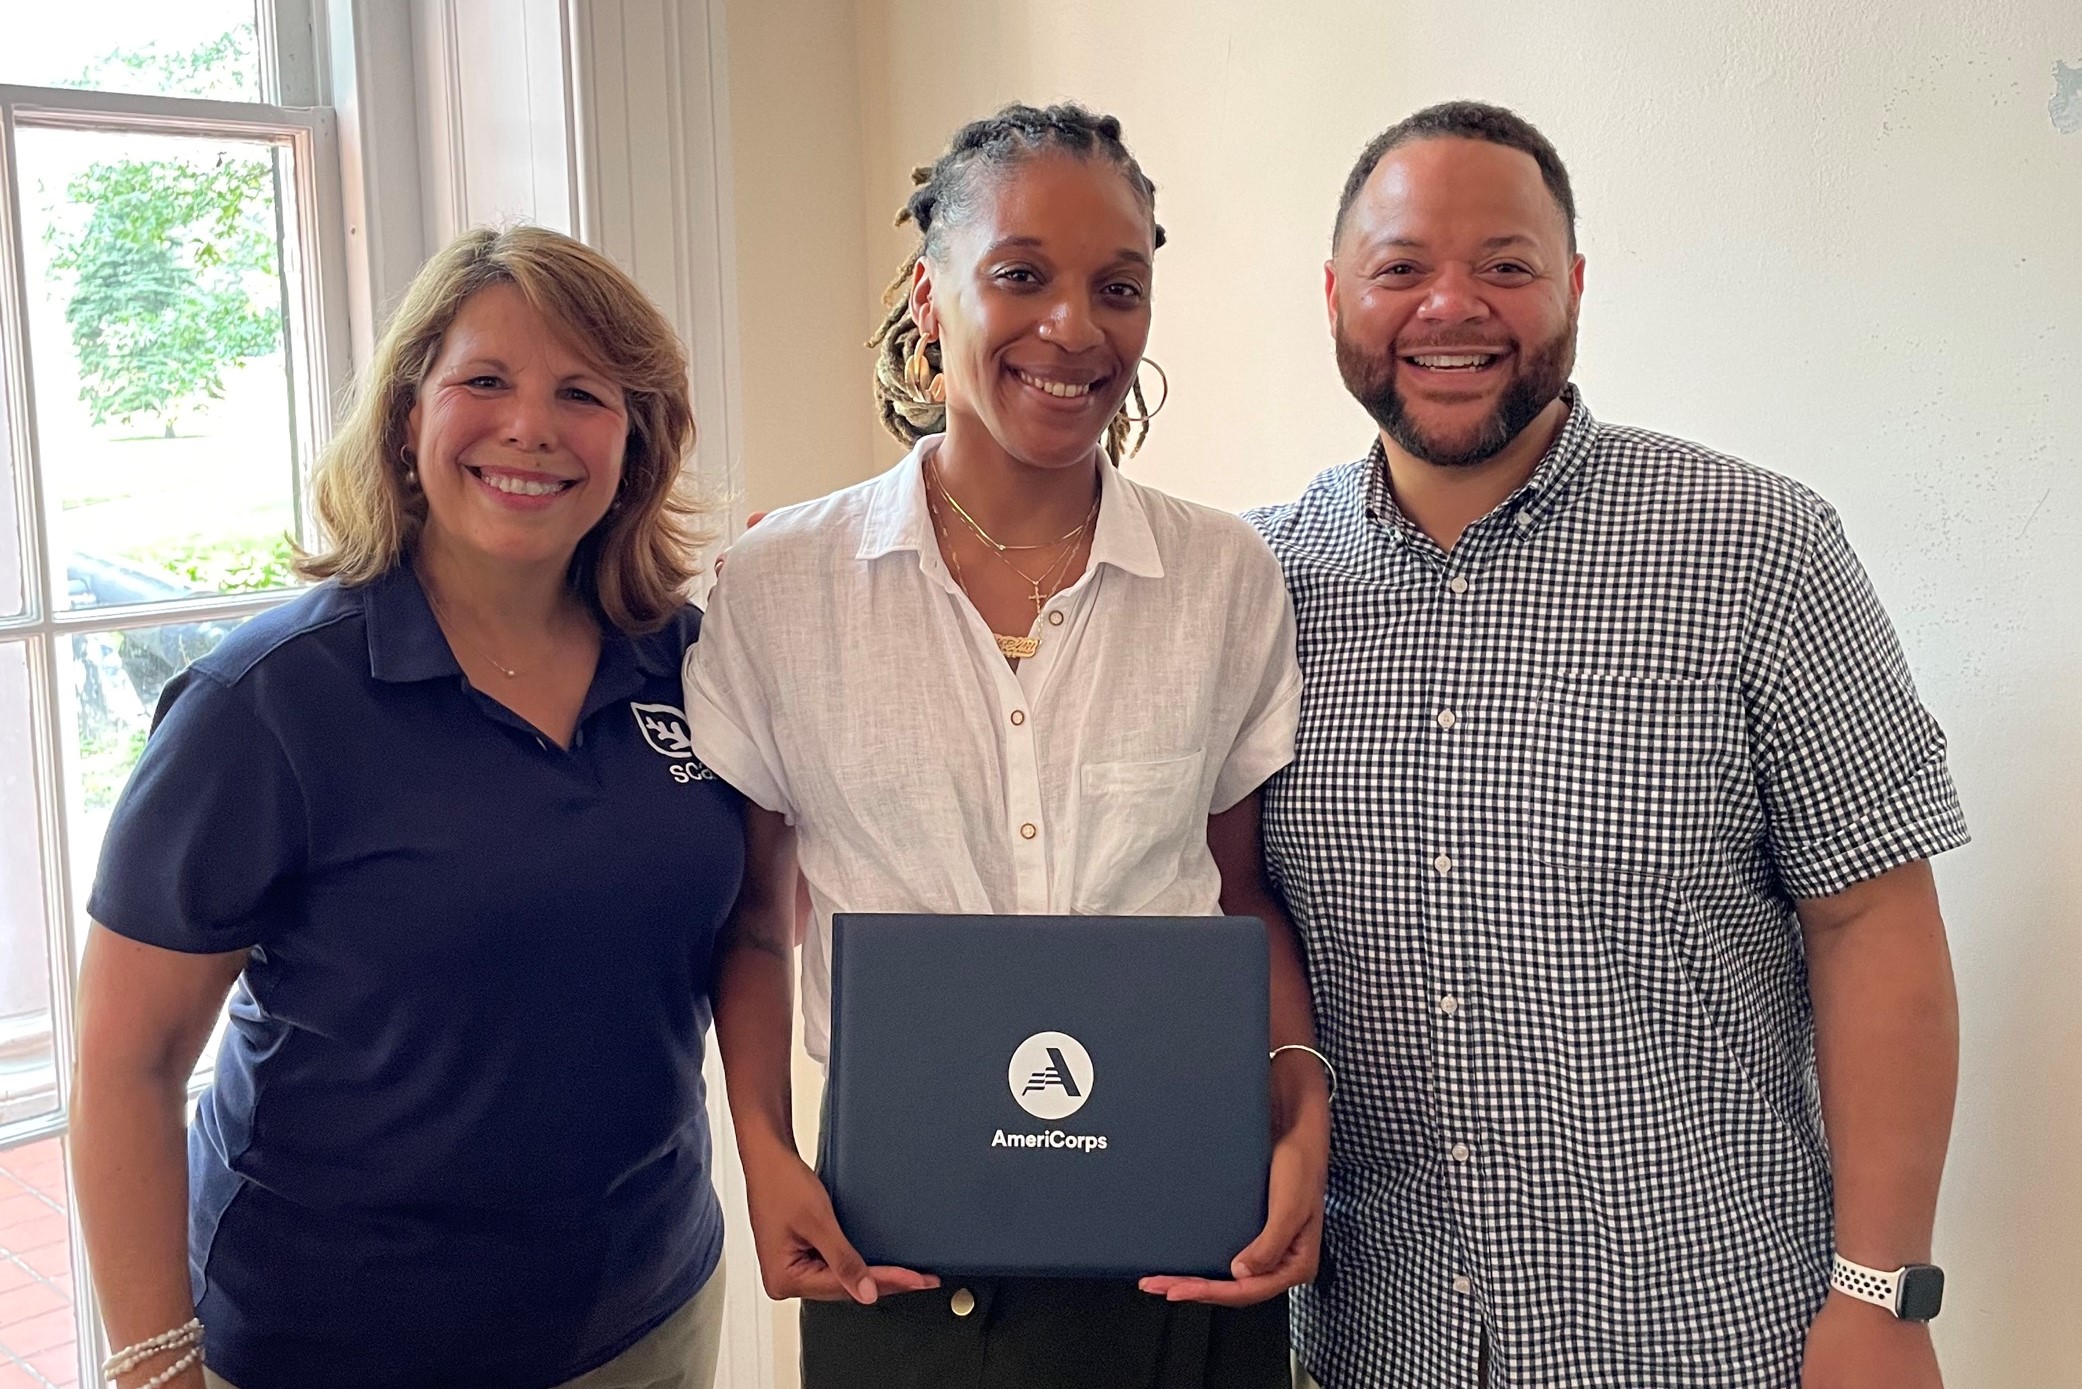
[946,187]
[1462,120]
[943,193]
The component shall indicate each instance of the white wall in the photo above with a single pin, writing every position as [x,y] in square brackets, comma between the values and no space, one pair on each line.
[1843,240]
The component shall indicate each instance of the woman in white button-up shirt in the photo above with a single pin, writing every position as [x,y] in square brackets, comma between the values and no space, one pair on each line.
[1002,678]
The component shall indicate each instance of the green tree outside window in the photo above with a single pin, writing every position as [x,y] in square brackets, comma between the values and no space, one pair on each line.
[168,265]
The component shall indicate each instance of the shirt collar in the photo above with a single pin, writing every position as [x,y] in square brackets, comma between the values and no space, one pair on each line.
[897,519]
[406,643]
[651,653]
[1539,497]
[1548,487]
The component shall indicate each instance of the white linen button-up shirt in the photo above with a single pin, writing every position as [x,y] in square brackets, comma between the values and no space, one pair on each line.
[844,680]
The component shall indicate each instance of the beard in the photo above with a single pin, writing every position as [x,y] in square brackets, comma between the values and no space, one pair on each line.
[1535,382]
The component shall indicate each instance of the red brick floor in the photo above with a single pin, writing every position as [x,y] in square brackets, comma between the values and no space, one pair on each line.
[36,1327]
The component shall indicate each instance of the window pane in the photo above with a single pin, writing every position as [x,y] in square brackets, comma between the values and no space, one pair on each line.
[193,48]
[37,1331]
[11,573]
[163,388]
[28,1080]
[112,682]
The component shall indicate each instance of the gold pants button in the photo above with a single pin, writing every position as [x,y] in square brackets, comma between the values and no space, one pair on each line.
[963,1302]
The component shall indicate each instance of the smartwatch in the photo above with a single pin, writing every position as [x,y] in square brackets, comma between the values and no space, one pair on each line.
[1913,1292]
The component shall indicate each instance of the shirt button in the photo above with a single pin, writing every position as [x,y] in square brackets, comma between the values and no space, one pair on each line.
[1055,619]
[1447,718]
[1019,716]
[962,1303]
[1449,1005]
[1457,584]
[1028,831]
[1444,863]
[1522,519]
[1463,1284]
[1461,1153]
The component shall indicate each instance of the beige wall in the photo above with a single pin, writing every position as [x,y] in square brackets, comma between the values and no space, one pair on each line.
[805,304]
[1838,239]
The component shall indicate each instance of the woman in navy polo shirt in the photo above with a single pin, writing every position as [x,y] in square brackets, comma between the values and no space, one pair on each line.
[439,822]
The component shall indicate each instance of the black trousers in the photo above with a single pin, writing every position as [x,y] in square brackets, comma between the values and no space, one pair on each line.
[1037,1333]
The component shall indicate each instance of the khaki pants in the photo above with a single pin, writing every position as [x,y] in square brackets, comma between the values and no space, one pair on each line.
[679,1353]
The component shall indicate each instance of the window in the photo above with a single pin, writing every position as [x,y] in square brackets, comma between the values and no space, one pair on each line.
[169,348]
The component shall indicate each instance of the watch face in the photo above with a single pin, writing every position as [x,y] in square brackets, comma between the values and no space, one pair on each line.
[1922,1292]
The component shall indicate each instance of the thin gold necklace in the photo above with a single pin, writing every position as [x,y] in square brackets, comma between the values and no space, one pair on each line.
[1000,546]
[1041,589]
[449,624]
[1034,585]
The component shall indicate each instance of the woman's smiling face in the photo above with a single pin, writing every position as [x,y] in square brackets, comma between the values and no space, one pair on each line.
[1039,298]
[518,439]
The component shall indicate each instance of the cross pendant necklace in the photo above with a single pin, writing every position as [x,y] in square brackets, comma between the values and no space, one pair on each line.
[1039,590]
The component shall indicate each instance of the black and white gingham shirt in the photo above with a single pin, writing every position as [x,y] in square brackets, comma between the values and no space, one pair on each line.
[1555,794]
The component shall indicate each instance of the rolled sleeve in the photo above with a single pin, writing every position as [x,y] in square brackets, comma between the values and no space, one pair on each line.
[1851,765]
[210,835]
[1265,741]
[728,713]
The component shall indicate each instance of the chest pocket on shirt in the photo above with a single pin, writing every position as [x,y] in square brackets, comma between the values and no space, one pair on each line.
[1628,771]
[1135,820]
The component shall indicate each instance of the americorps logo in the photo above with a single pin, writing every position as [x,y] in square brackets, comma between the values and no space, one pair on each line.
[1050,1075]
[665,729]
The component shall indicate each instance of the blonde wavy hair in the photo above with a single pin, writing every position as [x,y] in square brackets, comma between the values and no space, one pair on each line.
[634,566]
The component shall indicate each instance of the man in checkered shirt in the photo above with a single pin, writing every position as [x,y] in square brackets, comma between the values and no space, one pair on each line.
[1608,836]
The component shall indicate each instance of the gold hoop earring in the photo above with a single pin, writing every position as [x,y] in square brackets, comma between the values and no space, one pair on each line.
[1162,380]
[925,383]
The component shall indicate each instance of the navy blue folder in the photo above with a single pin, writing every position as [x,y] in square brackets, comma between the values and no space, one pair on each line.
[1048,1096]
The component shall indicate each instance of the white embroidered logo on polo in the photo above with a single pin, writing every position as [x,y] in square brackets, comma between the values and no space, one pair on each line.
[665,729]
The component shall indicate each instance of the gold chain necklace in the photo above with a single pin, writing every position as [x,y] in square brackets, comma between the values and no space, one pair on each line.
[1040,589]
[1034,585]
[449,624]
[998,545]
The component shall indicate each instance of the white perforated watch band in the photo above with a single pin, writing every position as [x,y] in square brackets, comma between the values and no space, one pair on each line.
[1866,1284]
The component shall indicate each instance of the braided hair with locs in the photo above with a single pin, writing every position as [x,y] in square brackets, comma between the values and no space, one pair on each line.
[943,193]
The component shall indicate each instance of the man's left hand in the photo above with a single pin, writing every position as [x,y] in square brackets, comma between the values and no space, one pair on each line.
[1855,1345]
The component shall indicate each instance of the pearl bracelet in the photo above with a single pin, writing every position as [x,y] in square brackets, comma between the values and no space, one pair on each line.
[180,1366]
[132,1356]
[1329,1071]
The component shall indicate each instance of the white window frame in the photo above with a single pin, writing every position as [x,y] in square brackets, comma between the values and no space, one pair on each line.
[295,75]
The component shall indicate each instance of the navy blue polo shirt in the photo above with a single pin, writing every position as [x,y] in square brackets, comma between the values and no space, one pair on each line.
[457,1134]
